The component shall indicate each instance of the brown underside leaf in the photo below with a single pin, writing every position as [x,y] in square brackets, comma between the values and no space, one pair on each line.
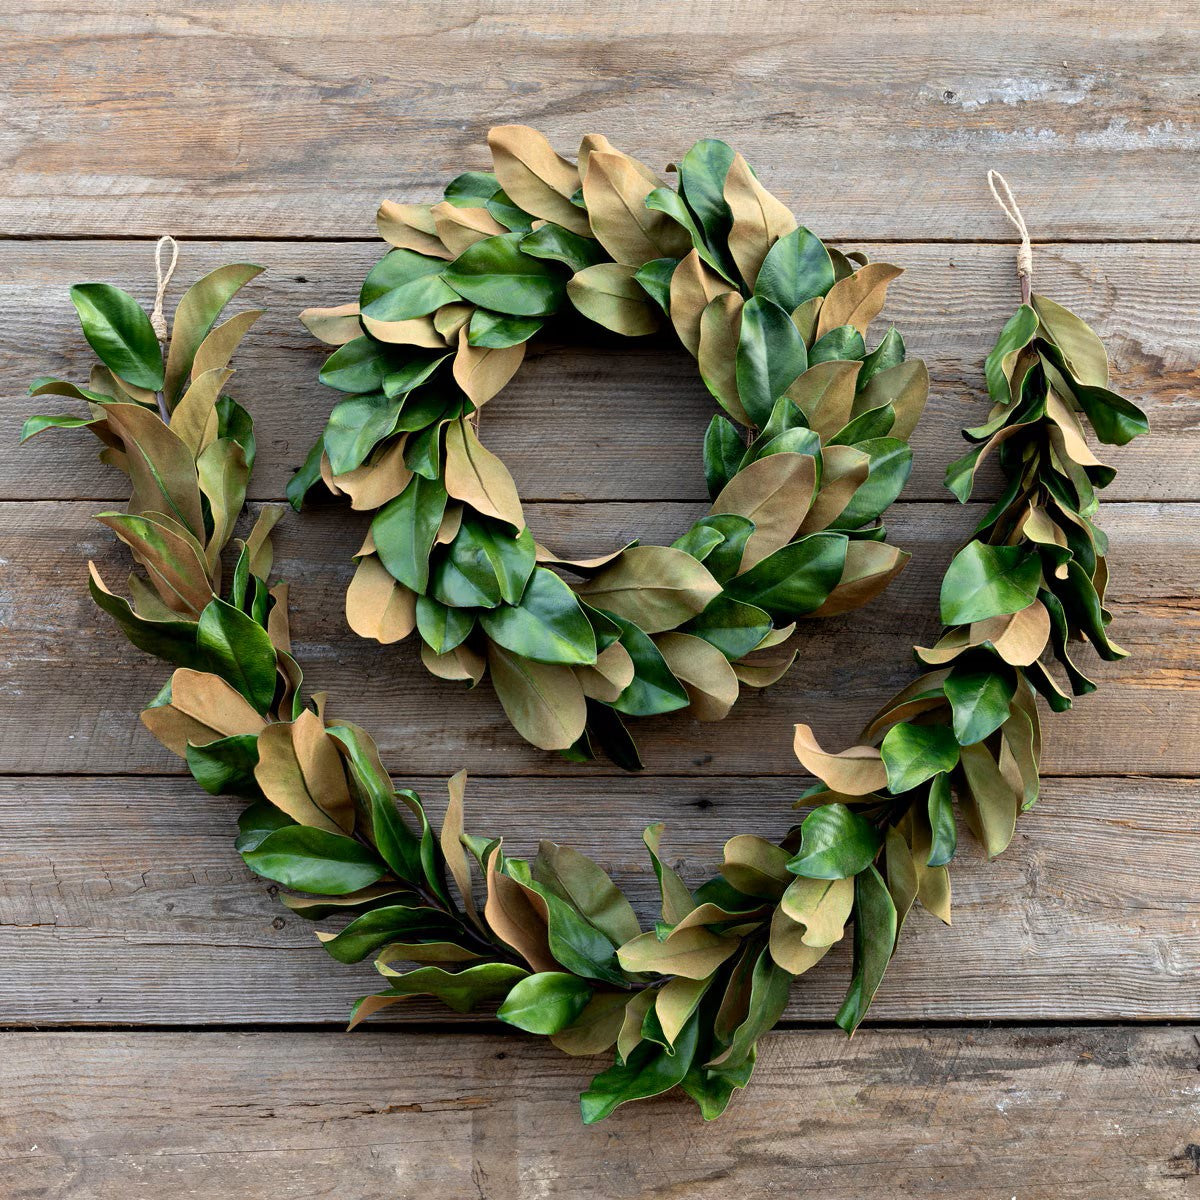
[203,708]
[693,286]
[615,193]
[858,299]
[759,219]
[854,772]
[535,177]
[775,493]
[544,702]
[608,294]
[512,917]
[705,673]
[410,227]
[380,479]
[334,326]
[870,568]
[693,953]
[460,665]
[825,395]
[720,329]
[656,587]
[481,372]
[378,606]
[416,331]
[461,228]
[844,470]
[300,771]
[477,477]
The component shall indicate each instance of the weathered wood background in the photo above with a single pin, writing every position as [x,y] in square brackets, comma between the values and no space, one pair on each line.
[170,1029]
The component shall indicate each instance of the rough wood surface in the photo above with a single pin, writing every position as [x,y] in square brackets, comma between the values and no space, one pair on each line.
[126,904]
[959,1114]
[62,659]
[624,422]
[875,120]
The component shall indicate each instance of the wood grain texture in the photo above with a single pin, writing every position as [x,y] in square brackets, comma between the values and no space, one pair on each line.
[621,422]
[123,903]
[874,120]
[64,660]
[1048,1114]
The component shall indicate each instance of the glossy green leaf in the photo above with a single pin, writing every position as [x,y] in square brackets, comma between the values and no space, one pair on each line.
[404,285]
[874,941]
[546,1002]
[391,923]
[496,331]
[442,626]
[835,843]
[356,426]
[980,701]
[548,626]
[557,244]
[844,342]
[734,627]
[360,366]
[306,477]
[944,839]
[459,990]
[986,581]
[495,274]
[404,530]
[770,356]
[889,353]
[226,767]
[120,332]
[654,689]
[723,451]
[1016,335]
[890,467]
[314,860]
[655,278]
[796,579]
[239,650]
[42,421]
[404,374]
[258,822]
[702,175]
[915,753]
[797,268]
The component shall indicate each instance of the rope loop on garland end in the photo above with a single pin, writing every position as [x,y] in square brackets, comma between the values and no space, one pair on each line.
[157,320]
[1004,197]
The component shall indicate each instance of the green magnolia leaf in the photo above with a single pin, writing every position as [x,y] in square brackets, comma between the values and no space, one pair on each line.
[403,376]
[702,175]
[874,941]
[649,1070]
[173,640]
[495,331]
[723,451]
[794,580]
[654,688]
[314,860]
[987,581]
[404,530]
[119,331]
[890,467]
[719,541]
[258,822]
[359,366]
[240,651]
[842,342]
[796,269]
[889,353]
[459,990]
[547,626]
[770,356]
[735,628]
[382,926]
[307,477]
[1084,352]
[546,1002]
[495,274]
[655,278]
[588,888]
[43,421]
[835,843]
[941,821]
[441,626]
[980,700]
[226,767]
[356,426]
[404,285]
[1015,336]
[915,753]
[553,242]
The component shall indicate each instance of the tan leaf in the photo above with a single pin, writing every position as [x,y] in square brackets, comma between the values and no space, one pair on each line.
[676,1001]
[609,676]
[460,665]
[544,702]
[378,606]
[693,953]
[933,883]
[450,525]
[474,475]
[870,567]
[1074,440]
[376,482]
[416,331]
[760,671]
[194,420]
[858,299]
[615,192]
[720,329]
[989,801]
[705,673]
[755,866]
[461,228]
[1020,637]
[788,947]
[905,387]
[450,841]
[481,372]
[822,906]
[596,1028]
[218,346]
[223,476]
[843,471]
[368,1006]
[512,917]
[775,493]
[410,227]
[656,587]
[258,543]
[450,319]
[855,772]
[825,395]
[805,317]
[333,326]
[535,177]
[277,621]
[300,771]
[545,555]
[597,142]
[759,219]
[693,286]
[608,294]
[630,1035]
[173,559]
[203,709]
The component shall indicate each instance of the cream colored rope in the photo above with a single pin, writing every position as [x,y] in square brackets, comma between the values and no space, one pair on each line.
[156,316]
[1008,203]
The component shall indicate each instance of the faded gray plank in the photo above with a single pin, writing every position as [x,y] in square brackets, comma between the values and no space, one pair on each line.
[124,901]
[625,422]
[65,661]
[871,120]
[1051,1114]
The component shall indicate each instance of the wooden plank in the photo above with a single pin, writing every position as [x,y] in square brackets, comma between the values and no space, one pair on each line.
[872,120]
[62,659]
[623,422]
[1048,1114]
[124,901]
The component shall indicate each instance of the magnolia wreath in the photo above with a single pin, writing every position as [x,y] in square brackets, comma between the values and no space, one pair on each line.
[810,450]
[553,941]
